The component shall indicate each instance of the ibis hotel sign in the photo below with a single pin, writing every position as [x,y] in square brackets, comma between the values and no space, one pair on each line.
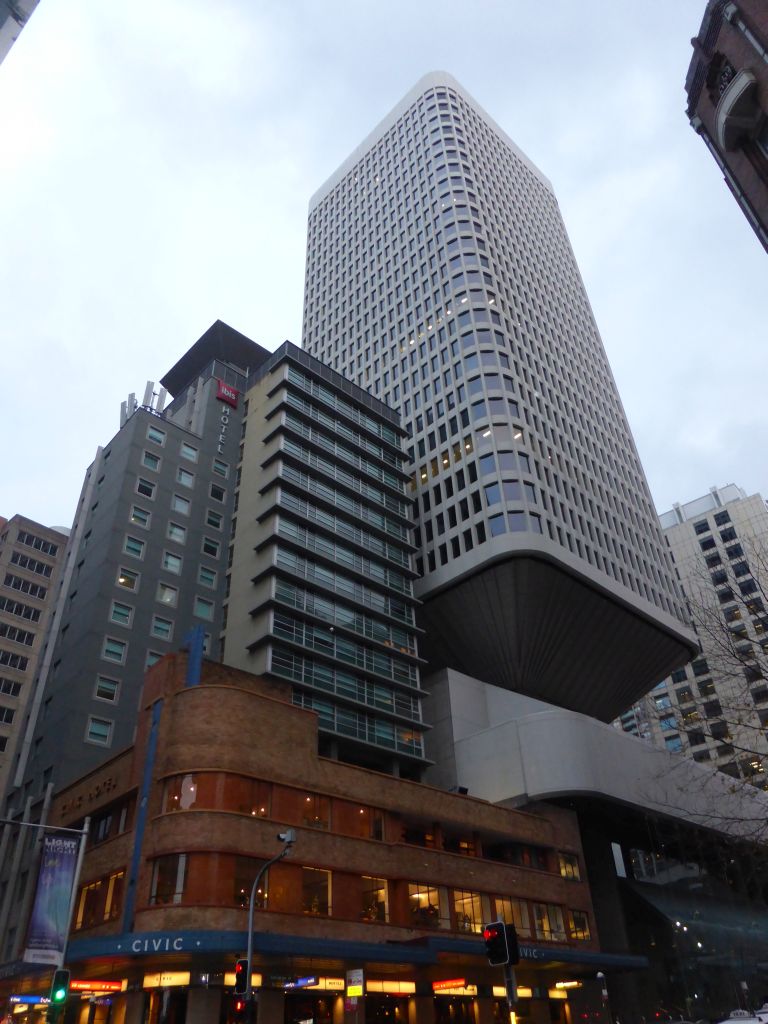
[229,398]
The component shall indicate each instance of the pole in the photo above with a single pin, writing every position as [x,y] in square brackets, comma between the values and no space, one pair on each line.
[288,838]
[73,898]
[510,983]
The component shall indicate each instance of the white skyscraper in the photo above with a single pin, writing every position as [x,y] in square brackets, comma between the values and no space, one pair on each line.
[440,277]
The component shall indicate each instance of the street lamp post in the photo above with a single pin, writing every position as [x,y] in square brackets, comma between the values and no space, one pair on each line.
[288,838]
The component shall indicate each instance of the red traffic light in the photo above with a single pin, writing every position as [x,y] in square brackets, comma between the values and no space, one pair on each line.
[495,938]
[241,977]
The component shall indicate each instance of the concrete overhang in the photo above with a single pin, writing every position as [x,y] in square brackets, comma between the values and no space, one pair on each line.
[530,620]
[514,750]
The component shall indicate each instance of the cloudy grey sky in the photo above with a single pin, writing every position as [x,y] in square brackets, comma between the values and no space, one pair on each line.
[156,163]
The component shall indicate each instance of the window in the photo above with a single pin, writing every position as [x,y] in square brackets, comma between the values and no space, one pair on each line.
[6,715]
[169,876]
[721,518]
[578,924]
[428,906]
[121,613]
[140,517]
[180,504]
[316,891]
[728,535]
[155,434]
[152,658]
[548,918]
[113,903]
[707,544]
[185,478]
[188,451]
[133,546]
[172,563]
[127,578]
[204,608]
[467,907]
[106,688]
[497,525]
[221,468]
[569,866]
[99,731]
[167,595]
[151,461]
[701,527]
[161,628]
[673,743]
[145,487]
[218,493]
[375,905]
[177,533]
[515,912]
[114,650]
[206,576]
[210,547]
[667,723]
[213,519]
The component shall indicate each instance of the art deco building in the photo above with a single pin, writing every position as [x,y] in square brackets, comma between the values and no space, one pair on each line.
[440,278]
[727,88]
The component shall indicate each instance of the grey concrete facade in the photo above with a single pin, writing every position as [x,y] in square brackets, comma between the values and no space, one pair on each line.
[441,279]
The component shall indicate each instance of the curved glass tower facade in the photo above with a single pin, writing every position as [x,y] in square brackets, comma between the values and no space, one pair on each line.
[440,277]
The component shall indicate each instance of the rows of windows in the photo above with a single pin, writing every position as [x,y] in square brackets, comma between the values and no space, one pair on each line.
[333,645]
[365,513]
[31,564]
[357,726]
[354,481]
[19,609]
[338,583]
[342,556]
[397,265]
[345,528]
[35,590]
[341,615]
[336,681]
[39,543]
[332,399]
[178,879]
[18,636]
[10,687]
[11,660]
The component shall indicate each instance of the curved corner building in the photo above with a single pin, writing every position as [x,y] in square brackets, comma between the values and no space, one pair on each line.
[440,278]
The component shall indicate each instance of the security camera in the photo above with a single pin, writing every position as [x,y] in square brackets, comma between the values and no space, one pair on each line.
[289,836]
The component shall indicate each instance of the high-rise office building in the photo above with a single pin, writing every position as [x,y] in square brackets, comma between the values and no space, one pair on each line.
[440,277]
[31,556]
[321,580]
[727,89]
[715,709]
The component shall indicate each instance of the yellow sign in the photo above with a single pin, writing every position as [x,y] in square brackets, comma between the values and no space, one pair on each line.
[167,979]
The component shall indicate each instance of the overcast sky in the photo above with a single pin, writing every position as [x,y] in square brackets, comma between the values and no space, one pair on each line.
[156,162]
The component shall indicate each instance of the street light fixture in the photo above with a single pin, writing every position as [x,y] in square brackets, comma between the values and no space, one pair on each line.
[288,838]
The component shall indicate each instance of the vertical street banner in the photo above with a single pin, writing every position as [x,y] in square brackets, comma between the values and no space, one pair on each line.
[49,923]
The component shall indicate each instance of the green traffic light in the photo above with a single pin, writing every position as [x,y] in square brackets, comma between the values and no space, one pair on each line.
[59,995]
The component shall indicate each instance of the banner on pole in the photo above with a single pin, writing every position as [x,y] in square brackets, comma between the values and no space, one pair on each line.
[49,923]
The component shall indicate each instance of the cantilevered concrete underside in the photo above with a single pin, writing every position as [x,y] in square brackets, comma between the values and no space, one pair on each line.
[527,624]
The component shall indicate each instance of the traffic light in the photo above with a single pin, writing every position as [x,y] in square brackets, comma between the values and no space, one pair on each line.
[496,948]
[241,977]
[60,987]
